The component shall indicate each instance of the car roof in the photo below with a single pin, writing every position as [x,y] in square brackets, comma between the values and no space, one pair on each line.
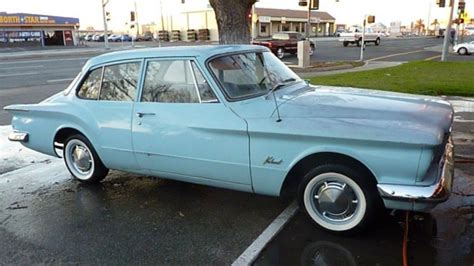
[203,51]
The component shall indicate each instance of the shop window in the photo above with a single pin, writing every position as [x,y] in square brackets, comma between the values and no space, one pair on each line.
[285,28]
[263,28]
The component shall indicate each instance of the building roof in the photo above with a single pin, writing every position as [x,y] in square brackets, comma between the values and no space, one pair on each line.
[201,51]
[291,13]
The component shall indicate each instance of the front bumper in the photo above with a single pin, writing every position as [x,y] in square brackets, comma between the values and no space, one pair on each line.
[18,136]
[422,198]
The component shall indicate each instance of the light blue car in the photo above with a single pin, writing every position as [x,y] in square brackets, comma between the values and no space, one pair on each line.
[236,117]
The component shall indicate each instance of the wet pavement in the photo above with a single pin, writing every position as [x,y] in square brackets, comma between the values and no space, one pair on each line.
[49,218]
[445,236]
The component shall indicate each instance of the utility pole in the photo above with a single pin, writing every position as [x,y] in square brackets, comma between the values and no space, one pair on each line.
[136,19]
[362,45]
[308,25]
[106,42]
[161,14]
[447,33]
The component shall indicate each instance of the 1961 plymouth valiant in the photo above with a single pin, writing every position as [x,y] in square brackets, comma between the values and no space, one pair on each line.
[236,117]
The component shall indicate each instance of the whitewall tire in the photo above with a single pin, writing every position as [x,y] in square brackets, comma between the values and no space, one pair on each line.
[337,198]
[82,160]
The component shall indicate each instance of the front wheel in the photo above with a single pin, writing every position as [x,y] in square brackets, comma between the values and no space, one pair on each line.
[338,198]
[345,44]
[312,49]
[82,160]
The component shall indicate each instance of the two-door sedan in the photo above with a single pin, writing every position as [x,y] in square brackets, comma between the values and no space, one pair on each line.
[236,117]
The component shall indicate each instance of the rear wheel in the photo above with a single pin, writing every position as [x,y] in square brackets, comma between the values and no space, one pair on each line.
[280,52]
[82,160]
[345,43]
[462,51]
[359,42]
[377,41]
[338,198]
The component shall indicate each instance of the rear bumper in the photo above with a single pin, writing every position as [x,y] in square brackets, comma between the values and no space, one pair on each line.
[422,198]
[20,136]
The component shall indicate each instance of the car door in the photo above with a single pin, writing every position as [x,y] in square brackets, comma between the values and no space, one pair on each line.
[107,96]
[180,128]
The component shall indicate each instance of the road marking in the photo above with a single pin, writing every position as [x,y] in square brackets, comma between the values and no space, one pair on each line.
[433,57]
[58,80]
[252,252]
[43,60]
[393,55]
[29,66]
[18,74]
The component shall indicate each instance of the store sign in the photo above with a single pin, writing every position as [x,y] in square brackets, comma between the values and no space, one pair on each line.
[314,20]
[25,20]
[264,19]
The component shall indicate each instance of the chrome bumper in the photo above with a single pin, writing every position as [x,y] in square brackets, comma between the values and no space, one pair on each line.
[18,136]
[419,198]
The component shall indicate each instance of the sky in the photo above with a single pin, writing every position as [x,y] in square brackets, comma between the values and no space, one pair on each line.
[345,11]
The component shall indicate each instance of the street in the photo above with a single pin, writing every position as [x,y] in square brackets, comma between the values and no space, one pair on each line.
[46,217]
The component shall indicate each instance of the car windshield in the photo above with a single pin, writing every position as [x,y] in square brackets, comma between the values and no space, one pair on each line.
[250,75]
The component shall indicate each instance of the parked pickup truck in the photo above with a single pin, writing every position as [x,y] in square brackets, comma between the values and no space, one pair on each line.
[354,36]
[285,42]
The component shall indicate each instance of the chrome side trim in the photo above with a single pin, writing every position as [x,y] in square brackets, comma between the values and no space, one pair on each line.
[438,192]
[18,136]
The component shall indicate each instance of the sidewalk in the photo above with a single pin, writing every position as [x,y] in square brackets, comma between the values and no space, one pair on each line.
[368,66]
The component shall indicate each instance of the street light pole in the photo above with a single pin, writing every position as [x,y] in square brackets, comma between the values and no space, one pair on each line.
[308,25]
[362,45]
[447,33]
[106,42]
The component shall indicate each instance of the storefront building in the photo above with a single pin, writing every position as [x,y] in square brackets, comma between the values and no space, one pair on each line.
[267,21]
[271,20]
[32,30]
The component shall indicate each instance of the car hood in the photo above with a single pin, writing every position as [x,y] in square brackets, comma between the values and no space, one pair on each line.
[369,114]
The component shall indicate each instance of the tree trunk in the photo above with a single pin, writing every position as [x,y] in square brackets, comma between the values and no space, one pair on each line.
[233,22]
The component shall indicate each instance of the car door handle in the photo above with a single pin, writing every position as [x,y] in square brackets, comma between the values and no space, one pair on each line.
[141,114]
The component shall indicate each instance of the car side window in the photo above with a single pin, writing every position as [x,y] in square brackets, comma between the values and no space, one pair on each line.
[169,81]
[205,91]
[120,82]
[91,85]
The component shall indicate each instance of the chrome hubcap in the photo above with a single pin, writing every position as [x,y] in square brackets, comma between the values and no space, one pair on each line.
[280,53]
[79,159]
[335,201]
[82,158]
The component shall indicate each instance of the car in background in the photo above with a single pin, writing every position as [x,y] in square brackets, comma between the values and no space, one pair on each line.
[354,36]
[338,32]
[126,38]
[236,117]
[285,42]
[464,48]
[469,30]
[115,38]
[95,37]
[88,37]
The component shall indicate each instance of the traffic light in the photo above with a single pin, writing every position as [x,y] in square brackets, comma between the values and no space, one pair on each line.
[461,7]
[314,4]
[441,3]
[461,21]
[132,16]
[107,16]
[370,19]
